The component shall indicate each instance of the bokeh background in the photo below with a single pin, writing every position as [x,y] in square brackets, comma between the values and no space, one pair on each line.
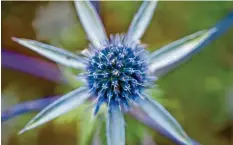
[199,93]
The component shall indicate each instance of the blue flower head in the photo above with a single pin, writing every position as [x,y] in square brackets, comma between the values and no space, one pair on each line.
[117,71]
[117,74]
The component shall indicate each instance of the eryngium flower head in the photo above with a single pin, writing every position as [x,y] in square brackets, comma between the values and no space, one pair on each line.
[117,72]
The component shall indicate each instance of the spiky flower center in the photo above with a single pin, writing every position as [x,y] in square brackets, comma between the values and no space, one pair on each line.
[117,73]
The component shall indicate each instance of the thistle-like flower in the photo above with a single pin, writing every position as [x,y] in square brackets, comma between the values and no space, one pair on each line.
[117,71]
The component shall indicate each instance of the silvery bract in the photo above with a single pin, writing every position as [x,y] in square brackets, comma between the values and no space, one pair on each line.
[117,71]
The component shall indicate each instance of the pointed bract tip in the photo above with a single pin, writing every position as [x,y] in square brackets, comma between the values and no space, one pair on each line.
[15,39]
[22,131]
[19,40]
[213,30]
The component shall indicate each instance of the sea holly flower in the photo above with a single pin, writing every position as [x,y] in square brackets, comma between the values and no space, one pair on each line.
[117,71]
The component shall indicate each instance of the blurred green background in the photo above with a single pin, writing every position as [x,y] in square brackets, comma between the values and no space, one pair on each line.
[199,93]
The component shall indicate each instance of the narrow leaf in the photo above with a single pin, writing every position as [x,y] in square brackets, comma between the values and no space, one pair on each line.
[166,57]
[163,119]
[115,126]
[55,54]
[20,62]
[162,63]
[91,23]
[58,107]
[30,106]
[141,20]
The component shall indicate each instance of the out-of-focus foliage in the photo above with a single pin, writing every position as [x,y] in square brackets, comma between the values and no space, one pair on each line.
[197,93]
